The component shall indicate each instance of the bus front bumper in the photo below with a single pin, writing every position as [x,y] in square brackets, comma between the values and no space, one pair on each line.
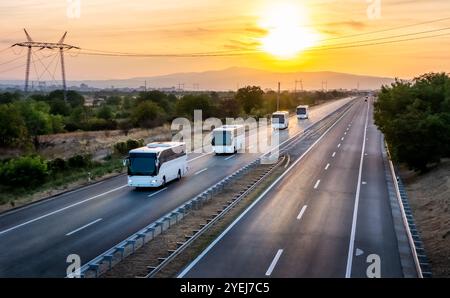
[138,181]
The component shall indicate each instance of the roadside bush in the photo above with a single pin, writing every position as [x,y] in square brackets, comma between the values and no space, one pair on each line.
[79,161]
[57,165]
[131,144]
[24,171]
[415,119]
[122,148]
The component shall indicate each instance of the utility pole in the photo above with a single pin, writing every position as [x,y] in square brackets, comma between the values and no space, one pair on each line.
[60,45]
[278,97]
[145,85]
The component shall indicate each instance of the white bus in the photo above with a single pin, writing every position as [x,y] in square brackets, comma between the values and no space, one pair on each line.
[156,164]
[280,120]
[302,112]
[228,139]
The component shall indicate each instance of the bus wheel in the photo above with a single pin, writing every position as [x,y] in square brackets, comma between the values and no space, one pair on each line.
[164,181]
[179,175]
[235,151]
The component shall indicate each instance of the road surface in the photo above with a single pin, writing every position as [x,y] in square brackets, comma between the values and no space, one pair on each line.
[36,240]
[327,217]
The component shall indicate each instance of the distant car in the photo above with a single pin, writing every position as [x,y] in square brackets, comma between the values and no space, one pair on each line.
[365,99]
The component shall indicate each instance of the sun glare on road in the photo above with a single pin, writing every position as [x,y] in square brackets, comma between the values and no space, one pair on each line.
[287,31]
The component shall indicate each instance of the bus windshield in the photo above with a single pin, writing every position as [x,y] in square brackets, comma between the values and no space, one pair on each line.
[222,138]
[142,164]
[278,118]
[301,111]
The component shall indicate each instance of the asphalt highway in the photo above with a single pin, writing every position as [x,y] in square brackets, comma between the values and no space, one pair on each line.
[36,240]
[329,216]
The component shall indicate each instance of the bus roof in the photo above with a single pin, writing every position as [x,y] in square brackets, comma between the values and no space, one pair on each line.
[157,147]
[228,127]
[303,106]
[280,113]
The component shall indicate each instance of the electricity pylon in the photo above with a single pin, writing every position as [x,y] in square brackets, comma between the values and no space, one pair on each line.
[60,45]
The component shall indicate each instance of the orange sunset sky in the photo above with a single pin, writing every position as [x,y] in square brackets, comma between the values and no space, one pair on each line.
[271,35]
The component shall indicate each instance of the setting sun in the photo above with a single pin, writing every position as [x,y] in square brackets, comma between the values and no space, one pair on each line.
[287,31]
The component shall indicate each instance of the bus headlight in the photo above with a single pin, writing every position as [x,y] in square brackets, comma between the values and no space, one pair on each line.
[130,181]
[154,181]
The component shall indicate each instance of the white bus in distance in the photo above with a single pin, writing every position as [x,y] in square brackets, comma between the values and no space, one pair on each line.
[302,112]
[228,139]
[156,164]
[280,120]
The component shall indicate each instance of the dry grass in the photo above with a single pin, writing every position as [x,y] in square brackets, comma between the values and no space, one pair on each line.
[429,196]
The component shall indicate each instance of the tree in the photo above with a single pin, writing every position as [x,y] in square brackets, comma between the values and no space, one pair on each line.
[59,107]
[189,103]
[74,99]
[8,97]
[250,97]
[229,107]
[160,98]
[37,118]
[12,126]
[147,114]
[415,119]
[25,171]
[105,112]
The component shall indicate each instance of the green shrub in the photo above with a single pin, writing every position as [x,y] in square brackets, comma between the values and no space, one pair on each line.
[26,171]
[57,165]
[122,148]
[79,161]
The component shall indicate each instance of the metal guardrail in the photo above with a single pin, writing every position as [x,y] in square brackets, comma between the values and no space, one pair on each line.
[220,214]
[422,265]
[138,239]
[109,258]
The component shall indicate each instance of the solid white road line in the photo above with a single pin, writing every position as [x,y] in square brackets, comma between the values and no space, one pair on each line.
[274,262]
[83,227]
[157,192]
[348,272]
[60,210]
[317,184]
[299,216]
[288,161]
[201,171]
[230,157]
[261,196]
[327,166]
[334,154]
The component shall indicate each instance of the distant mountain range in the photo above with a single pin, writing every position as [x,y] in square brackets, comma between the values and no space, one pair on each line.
[232,78]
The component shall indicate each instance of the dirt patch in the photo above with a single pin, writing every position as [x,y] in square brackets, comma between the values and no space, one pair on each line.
[97,143]
[136,265]
[429,196]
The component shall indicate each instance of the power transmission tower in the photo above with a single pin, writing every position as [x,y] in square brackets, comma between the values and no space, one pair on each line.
[301,86]
[60,45]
